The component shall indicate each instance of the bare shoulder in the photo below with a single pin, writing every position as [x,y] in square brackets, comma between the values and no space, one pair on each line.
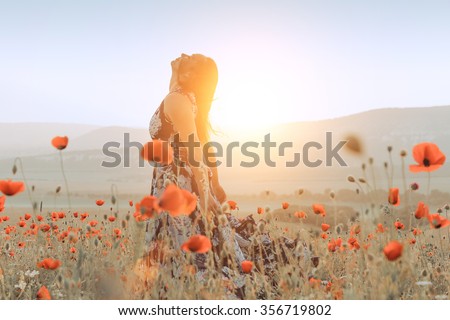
[177,103]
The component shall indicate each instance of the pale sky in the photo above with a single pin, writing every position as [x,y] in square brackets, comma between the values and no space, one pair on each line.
[108,62]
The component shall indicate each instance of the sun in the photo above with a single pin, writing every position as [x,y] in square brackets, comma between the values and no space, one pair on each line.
[251,104]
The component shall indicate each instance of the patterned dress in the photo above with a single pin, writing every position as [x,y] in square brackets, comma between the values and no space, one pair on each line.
[179,229]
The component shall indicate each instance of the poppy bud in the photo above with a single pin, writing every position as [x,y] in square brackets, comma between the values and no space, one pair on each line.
[414,186]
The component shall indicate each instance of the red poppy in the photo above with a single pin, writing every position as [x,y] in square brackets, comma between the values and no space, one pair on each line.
[55,216]
[398,225]
[83,216]
[146,208]
[99,202]
[428,156]
[354,244]
[45,227]
[319,209]
[10,188]
[39,218]
[325,227]
[412,241]
[112,218]
[93,223]
[22,224]
[300,214]
[130,203]
[49,263]
[393,196]
[198,244]
[285,205]
[334,244]
[73,250]
[60,143]
[380,228]
[232,204]
[393,250]
[2,203]
[43,294]
[27,216]
[157,151]
[246,266]
[437,221]
[177,201]
[324,236]
[416,231]
[315,283]
[421,211]
[331,245]
[260,210]
[21,244]
[355,229]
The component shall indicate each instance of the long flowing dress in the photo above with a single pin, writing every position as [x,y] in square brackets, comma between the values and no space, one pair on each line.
[178,229]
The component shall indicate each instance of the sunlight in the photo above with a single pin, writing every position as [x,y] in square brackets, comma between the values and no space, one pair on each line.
[247,105]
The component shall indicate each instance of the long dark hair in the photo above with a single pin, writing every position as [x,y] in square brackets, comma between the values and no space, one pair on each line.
[202,82]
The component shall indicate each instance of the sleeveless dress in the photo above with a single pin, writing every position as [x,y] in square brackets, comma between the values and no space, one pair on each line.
[180,228]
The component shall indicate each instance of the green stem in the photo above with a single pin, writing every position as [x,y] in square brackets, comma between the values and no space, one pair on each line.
[374,180]
[65,179]
[392,170]
[406,193]
[19,160]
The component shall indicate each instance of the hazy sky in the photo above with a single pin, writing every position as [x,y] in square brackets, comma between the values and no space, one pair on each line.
[108,62]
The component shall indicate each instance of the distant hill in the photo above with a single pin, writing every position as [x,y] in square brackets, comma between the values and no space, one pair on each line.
[25,139]
[400,128]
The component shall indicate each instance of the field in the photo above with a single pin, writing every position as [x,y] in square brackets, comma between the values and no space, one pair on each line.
[388,243]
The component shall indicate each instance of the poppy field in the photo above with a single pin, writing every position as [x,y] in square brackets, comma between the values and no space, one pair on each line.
[394,244]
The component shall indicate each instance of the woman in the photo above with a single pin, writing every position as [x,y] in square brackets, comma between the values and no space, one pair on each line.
[185,112]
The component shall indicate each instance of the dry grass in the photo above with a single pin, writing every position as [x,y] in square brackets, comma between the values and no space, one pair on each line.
[107,266]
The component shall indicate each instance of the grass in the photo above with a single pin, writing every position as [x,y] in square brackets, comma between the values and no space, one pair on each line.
[103,254]
[109,266]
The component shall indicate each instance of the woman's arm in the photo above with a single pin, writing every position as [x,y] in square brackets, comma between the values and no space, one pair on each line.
[178,109]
